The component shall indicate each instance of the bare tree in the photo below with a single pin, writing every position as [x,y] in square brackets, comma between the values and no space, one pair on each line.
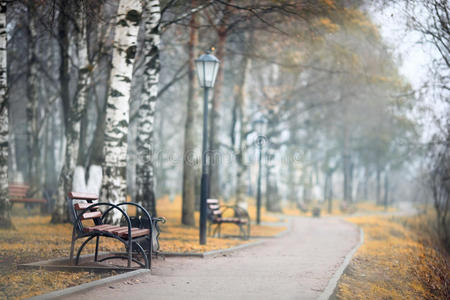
[190,141]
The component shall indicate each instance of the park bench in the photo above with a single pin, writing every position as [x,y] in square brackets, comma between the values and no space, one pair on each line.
[216,217]
[18,193]
[138,234]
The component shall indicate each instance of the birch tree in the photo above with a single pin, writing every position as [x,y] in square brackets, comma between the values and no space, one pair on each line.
[5,207]
[117,107]
[145,194]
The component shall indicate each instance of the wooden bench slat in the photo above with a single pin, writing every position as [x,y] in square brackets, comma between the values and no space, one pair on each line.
[123,231]
[19,187]
[82,196]
[28,200]
[102,227]
[135,233]
[17,195]
[232,220]
[81,206]
[91,215]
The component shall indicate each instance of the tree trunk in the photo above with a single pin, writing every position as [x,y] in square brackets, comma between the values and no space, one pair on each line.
[214,164]
[386,190]
[73,110]
[350,180]
[5,206]
[145,193]
[32,103]
[378,187]
[117,109]
[366,184]
[347,172]
[242,166]
[189,174]
[272,196]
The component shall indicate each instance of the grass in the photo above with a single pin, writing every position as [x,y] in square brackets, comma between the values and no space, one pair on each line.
[398,260]
[35,239]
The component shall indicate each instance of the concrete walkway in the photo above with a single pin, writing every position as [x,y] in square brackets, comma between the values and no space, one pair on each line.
[295,266]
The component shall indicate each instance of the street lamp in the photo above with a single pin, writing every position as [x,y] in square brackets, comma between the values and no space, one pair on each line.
[260,128]
[207,67]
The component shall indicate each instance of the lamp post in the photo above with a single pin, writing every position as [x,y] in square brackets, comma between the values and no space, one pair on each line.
[207,66]
[259,126]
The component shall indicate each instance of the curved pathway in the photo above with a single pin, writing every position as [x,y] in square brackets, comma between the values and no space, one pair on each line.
[295,266]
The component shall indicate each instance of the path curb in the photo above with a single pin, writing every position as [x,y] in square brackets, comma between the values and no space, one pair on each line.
[89,285]
[332,284]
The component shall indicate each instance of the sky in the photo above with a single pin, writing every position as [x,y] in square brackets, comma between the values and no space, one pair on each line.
[414,59]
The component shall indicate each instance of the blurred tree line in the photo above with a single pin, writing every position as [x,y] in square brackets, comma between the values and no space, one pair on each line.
[112,83]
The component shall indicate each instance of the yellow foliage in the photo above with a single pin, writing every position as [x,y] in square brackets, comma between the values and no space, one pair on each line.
[328,25]
[394,263]
[329,3]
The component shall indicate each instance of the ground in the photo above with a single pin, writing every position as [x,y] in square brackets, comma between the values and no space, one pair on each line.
[397,261]
[35,239]
[296,265]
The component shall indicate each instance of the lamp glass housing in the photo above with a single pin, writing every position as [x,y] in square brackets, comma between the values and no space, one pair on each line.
[207,67]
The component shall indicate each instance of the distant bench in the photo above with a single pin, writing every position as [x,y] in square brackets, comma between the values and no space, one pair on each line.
[215,217]
[18,193]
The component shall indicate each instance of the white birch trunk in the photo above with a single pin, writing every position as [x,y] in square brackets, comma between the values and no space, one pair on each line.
[5,207]
[117,108]
[144,165]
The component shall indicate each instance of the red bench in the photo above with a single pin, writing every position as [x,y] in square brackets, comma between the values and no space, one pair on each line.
[139,235]
[18,193]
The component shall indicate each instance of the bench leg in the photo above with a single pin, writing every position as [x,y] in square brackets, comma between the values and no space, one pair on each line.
[96,248]
[81,248]
[72,247]
[130,255]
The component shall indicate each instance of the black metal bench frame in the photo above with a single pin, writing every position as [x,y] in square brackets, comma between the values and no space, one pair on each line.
[133,246]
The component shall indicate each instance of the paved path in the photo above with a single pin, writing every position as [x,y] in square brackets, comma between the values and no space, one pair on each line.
[296,266]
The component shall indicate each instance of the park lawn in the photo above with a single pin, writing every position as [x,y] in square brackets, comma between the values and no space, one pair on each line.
[398,260]
[35,239]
